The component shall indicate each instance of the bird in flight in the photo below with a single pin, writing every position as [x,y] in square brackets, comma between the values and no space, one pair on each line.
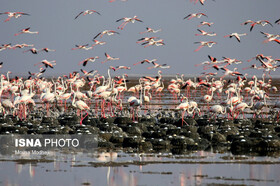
[271,37]
[127,20]
[96,42]
[145,61]
[156,65]
[197,15]
[86,12]
[205,23]
[84,47]
[91,59]
[254,23]
[32,50]
[47,50]
[47,63]
[119,67]
[236,35]
[204,43]
[109,58]
[13,14]
[150,30]
[26,31]
[108,32]
[203,33]
[153,42]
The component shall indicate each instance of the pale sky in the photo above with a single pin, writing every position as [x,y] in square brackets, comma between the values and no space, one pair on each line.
[54,19]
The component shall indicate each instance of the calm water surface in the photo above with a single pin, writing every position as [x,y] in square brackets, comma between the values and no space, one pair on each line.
[197,168]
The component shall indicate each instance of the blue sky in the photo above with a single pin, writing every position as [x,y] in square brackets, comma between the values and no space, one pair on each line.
[54,19]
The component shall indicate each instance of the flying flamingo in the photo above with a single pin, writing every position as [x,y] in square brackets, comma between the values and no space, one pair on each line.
[229,72]
[204,43]
[82,106]
[13,14]
[254,23]
[86,12]
[153,42]
[21,45]
[96,42]
[32,50]
[108,32]
[109,58]
[198,15]
[127,20]
[47,50]
[205,23]
[26,31]
[150,30]
[203,33]
[156,65]
[5,46]
[91,59]
[119,67]
[145,61]
[84,47]
[236,35]
[47,63]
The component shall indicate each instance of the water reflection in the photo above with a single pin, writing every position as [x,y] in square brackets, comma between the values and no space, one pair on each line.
[203,168]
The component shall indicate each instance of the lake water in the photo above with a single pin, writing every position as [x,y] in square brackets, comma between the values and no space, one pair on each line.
[118,168]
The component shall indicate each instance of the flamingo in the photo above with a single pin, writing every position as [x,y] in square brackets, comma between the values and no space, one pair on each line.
[254,23]
[82,106]
[150,30]
[96,42]
[108,32]
[203,33]
[229,72]
[5,46]
[26,31]
[47,50]
[135,103]
[145,61]
[84,47]
[236,35]
[13,14]
[127,20]
[205,23]
[21,45]
[85,61]
[242,106]
[109,58]
[146,39]
[217,109]
[204,43]
[185,106]
[153,42]
[32,50]
[86,12]
[156,65]
[197,15]
[47,63]
[119,67]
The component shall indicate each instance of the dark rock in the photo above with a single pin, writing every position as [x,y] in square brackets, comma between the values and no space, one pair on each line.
[122,120]
[132,142]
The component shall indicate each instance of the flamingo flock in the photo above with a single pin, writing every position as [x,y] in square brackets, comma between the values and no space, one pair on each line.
[226,92]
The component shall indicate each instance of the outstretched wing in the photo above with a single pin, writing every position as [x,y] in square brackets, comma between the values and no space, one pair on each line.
[79,14]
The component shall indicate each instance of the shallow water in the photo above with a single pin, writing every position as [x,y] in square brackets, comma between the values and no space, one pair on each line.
[118,168]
